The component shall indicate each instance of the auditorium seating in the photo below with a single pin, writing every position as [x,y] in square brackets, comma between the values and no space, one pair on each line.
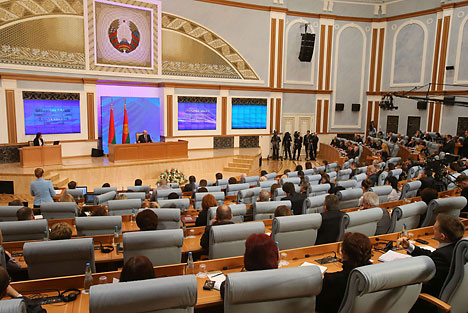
[396,173]
[24,230]
[229,240]
[177,294]
[248,196]
[59,210]
[59,257]
[233,189]
[271,176]
[211,188]
[316,190]
[409,214]
[173,185]
[104,198]
[314,204]
[387,287]
[251,180]
[134,195]
[162,247]
[146,188]
[331,167]
[219,196]
[343,175]
[414,171]
[292,174]
[450,206]
[168,218]
[319,169]
[274,291]
[123,207]
[182,204]
[13,306]
[103,190]
[76,193]
[238,212]
[332,176]
[222,183]
[280,194]
[347,184]
[382,177]
[359,179]
[310,171]
[2,258]
[8,213]
[410,189]
[349,198]
[294,180]
[266,185]
[295,231]
[382,192]
[266,210]
[98,225]
[313,179]
[162,194]
[363,221]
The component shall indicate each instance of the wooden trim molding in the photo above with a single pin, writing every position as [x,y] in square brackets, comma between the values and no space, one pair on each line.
[11,116]
[278,115]
[170,114]
[321,57]
[223,115]
[380,59]
[421,93]
[436,54]
[372,61]
[430,117]
[329,52]
[376,114]
[443,54]
[272,52]
[272,114]
[47,78]
[438,110]
[279,74]
[325,116]
[90,109]
[319,116]
[369,115]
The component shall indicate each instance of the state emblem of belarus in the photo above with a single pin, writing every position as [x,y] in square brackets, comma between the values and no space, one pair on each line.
[124,35]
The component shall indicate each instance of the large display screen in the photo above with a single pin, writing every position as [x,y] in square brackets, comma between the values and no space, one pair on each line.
[48,113]
[249,113]
[142,113]
[196,113]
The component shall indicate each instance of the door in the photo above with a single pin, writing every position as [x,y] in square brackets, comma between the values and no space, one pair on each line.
[392,124]
[462,126]
[414,124]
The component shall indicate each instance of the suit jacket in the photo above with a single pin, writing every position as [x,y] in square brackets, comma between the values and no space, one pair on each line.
[426,182]
[202,218]
[333,290]
[42,190]
[464,193]
[205,239]
[449,147]
[38,142]
[141,138]
[464,148]
[297,200]
[384,224]
[330,228]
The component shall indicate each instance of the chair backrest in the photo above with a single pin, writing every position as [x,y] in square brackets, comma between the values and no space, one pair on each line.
[13,306]
[162,247]
[59,210]
[347,184]
[349,198]
[103,190]
[359,179]
[310,171]
[161,194]
[222,183]
[331,167]
[295,289]
[454,290]
[364,221]
[343,174]
[238,212]
[24,230]
[382,177]
[410,189]
[413,171]
[319,169]
[248,196]
[296,231]
[176,294]
[168,218]
[104,198]
[212,188]
[173,185]
[271,176]
[146,188]
[8,213]
[123,207]
[58,257]
[332,176]
[141,195]
[395,173]
[266,185]
[316,190]
[76,193]
[251,180]
[313,179]
[314,204]
[408,214]
[219,196]
[182,204]
[229,240]
[292,174]
[266,210]
[294,180]
[390,287]
[450,206]
[280,194]
[382,192]
[233,189]
[97,225]
[3,262]
[361,170]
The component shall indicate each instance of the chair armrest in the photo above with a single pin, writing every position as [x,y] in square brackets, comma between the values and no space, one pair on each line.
[435,301]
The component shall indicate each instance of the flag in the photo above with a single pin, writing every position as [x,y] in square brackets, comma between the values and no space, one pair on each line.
[125,133]
[111,127]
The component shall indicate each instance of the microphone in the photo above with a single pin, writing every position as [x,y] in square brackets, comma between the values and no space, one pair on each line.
[388,246]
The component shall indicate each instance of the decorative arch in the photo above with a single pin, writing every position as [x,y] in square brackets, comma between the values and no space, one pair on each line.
[458,61]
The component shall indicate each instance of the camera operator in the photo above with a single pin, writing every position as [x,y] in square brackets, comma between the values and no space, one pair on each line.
[297,145]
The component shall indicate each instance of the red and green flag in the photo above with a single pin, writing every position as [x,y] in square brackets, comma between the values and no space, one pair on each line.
[125,132]
[111,127]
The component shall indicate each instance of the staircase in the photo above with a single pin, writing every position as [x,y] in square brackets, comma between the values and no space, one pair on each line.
[56,180]
[241,164]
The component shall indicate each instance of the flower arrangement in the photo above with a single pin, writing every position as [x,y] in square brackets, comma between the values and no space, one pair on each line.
[173,176]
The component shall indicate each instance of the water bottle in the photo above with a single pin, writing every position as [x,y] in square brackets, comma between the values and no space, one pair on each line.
[404,231]
[277,245]
[133,215]
[116,238]
[46,235]
[88,280]
[189,268]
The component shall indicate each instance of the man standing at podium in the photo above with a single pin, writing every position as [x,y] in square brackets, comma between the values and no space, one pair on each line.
[144,138]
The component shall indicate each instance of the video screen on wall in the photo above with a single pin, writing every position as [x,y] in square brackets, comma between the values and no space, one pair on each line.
[249,113]
[143,114]
[51,112]
[196,113]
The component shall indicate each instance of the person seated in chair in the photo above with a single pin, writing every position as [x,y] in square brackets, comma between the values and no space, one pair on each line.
[144,138]
[137,268]
[60,231]
[371,200]
[296,199]
[223,217]
[331,220]
[24,214]
[147,220]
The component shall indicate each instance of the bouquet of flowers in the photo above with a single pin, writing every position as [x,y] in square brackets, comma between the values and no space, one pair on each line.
[173,176]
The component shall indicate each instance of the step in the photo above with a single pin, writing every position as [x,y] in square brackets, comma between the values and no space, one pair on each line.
[243,161]
[63,183]
[246,157]
[239,165]
[52,177]
[235,169]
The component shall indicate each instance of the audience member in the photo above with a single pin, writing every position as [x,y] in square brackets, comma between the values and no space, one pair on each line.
[60,231]
[191,186]
[264,196]
[223,217]
[137,268]
[219,176]
[263,173]
[154,205]
[304,188]
[272,190]
[331,220]
[162,184]
[100,211]
[308,165]
[5,288]
[283,210]
[395,194]
[138,182]
[298,168]
[41,189]
[232,181]
[356,251]
[326,180]
[428,194]
[66,197]
[172,196]
[13,268]
[105,185]
[15,202]
[296,199]
[426,179]
[208,201]
[147,220]
[72,185]
[371,200]
[24,214]
[203,183]
[121,196]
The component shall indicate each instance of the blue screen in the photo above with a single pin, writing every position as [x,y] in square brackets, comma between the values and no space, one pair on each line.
[196,116]
[51,116]
[249,116]
[142,113]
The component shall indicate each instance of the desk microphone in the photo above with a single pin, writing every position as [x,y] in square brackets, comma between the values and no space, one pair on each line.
[388,246]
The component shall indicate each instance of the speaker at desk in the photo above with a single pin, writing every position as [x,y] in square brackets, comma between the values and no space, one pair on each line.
[97,152]
[355,107]
[307,47]
[422,105]
[339,106]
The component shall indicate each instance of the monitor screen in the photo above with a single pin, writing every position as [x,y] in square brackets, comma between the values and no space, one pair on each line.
[197,113]
[84,188]
[249,114]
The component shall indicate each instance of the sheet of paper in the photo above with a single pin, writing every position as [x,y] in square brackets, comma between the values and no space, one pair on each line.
[323,269]
[427,248]
[392,256]
[218,277]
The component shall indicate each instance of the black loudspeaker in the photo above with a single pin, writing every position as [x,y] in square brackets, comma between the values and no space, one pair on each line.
[450,67]
[307,47]
[449,100]
[97,153]
[356,107]
[422,105]
[339,106]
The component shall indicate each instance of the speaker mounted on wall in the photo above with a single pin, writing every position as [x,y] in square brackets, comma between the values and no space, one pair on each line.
[355,107]
[422,105]
[339,106]
[307,46]
[449,100]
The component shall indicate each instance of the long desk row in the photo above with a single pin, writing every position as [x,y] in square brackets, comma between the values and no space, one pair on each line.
[208,299]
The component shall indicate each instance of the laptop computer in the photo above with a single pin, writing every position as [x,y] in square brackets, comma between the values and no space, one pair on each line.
[84,188]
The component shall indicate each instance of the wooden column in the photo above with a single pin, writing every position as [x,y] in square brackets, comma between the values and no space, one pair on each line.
[11,116]
[90,109]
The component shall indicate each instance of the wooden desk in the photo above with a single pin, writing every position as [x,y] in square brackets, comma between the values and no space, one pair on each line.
[148,151]
[40,155]
[330,153]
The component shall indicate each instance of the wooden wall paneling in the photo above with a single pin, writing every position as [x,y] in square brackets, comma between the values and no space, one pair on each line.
[431,116]
[436,54]
[272,51]
[376,114]
[438,110]
[169,106]
[325,116]
[372,61]
[369,115]
[11,116]
[278,114]
[329,51]
[223,115]
[279,78]
[90,109]
[272,114]
[321,57]
[319,116]
[443,54]
[380,59]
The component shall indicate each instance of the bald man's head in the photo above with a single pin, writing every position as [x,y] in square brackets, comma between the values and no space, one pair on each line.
[223,213]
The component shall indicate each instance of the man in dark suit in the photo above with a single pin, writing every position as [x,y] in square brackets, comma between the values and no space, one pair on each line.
[314,144]
[297,199]
[144,138]
[465,146]
[449,146]
[307,138]
[331,220]
[223,217]
[426,179]
[448,230]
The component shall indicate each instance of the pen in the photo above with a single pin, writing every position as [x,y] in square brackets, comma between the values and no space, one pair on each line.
[217,275]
